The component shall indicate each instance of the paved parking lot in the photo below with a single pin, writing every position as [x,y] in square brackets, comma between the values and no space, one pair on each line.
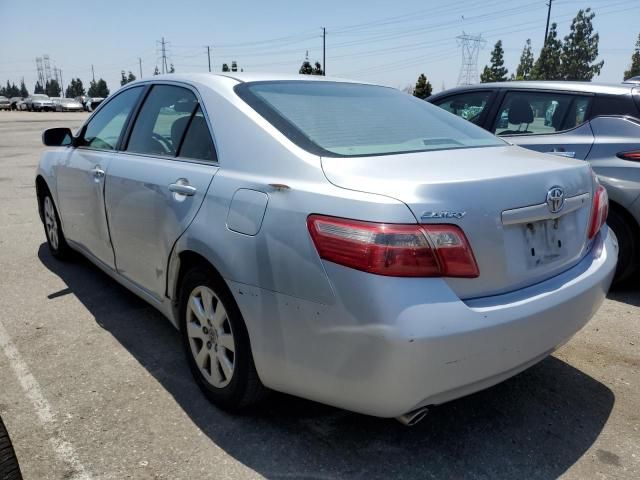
[93,384]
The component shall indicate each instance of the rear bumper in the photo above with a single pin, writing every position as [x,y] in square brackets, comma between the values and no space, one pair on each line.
[388,347]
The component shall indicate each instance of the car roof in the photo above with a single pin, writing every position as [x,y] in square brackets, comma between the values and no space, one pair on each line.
[569,86]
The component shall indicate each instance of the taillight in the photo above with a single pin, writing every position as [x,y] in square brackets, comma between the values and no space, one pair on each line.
[633,155]
[393,249]
[599,210]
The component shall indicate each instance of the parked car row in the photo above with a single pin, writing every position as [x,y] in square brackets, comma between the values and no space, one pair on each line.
[43,103]
[598,123]
[343,242]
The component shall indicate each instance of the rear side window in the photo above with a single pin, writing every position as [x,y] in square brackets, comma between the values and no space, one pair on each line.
[341,119]
[614,105]
[468,105]
[162,121]
[197,143]
[539,113]
[104,129]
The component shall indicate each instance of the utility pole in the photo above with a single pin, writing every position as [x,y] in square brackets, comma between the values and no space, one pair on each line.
[140,65]
[546,30]
[209,57]
[61,84]
[324,57]
[93,75]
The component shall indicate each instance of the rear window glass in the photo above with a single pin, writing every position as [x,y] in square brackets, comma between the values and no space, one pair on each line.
[346,119]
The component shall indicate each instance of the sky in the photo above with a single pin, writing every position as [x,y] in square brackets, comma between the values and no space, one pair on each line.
[387,42]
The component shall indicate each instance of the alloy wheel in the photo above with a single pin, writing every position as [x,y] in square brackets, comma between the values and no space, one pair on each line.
[210,336]
[50,222]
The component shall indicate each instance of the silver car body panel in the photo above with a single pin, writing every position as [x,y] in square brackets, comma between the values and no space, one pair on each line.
[373,344]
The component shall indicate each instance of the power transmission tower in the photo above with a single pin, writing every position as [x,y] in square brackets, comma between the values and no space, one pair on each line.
[40,68]
[163,54]
[471,45]
[546,30]
[47,68]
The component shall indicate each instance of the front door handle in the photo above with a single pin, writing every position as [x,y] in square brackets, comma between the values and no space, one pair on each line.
[563,153]
[98,173]
[183,189]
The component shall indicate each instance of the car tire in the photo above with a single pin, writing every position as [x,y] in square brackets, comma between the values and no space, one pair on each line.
[56,240]
[216,342]
[9,468]
[628,250]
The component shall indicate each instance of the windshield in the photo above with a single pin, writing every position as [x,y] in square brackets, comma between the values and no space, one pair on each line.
[348,119]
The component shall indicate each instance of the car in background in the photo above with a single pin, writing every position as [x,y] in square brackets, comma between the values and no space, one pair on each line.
[39,102]
[21,105]
[5,104]
[67,105]
[89,103]
[635,80]
[339,241]
[599,123]
[14,102]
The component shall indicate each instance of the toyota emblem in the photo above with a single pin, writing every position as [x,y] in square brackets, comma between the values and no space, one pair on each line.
[555,199]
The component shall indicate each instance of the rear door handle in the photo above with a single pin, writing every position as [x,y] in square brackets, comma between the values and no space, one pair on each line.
[183,189]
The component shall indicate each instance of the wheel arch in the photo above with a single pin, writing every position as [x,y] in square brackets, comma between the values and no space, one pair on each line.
[624,212]
[42,188]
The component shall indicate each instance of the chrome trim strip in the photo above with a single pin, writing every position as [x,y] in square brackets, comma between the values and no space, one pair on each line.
[535,213]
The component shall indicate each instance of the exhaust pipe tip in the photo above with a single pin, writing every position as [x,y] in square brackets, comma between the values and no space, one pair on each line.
[413,417]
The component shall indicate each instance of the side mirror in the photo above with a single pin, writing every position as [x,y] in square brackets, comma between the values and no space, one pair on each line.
[57,137]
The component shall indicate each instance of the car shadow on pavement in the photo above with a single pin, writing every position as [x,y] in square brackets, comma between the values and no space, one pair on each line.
[628,293]
[536,425]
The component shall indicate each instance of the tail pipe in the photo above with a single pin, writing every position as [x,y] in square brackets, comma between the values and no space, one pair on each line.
[413,417]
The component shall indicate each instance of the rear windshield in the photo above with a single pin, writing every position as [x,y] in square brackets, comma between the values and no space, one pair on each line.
[348,120]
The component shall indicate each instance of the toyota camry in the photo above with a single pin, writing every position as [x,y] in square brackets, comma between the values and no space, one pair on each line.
[340,241]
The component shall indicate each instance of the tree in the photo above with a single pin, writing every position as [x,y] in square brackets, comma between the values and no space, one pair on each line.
[317,69]
[52,88]
[156,71]
[306,68]
[23,90]
[11,90]
[38,88]
[98,89]
[497,72]
[124,78]
[634,68]
[75,88]
[548,66]
[171,69]
[423,87]
[580,49]
[225,67]
[525,67]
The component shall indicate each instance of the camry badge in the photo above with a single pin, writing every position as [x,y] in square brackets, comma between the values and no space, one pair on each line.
[442,214]
[555,199]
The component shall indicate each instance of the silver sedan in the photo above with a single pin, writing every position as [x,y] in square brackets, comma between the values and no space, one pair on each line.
[339,241]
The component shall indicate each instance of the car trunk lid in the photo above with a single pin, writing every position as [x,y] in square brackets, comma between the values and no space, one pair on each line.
[497,195]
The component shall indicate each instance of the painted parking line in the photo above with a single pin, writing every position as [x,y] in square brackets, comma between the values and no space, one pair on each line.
[62,448]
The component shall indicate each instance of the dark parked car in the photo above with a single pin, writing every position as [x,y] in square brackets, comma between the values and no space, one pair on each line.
[595,122]
[9,468]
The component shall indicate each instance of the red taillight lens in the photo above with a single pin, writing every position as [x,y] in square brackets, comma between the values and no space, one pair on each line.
[633,155]
[599,210]
[392,249]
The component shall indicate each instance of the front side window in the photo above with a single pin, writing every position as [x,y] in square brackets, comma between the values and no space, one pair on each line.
[104,129]
[346,119]
[162,121]
[466,105]
[539,113]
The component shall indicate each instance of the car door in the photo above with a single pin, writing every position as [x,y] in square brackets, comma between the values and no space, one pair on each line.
[80,178]
[156,184]
[546,121]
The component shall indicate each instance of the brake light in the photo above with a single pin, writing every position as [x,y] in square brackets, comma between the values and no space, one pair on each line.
[599,210]
[392,249]
[633,155]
